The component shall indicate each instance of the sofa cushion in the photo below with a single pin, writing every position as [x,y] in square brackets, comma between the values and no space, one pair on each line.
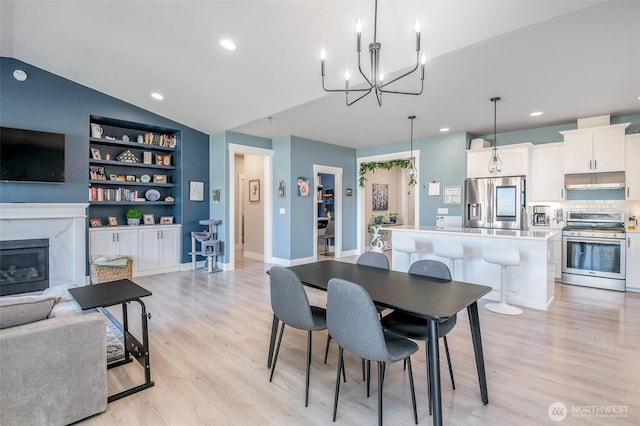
[24,309]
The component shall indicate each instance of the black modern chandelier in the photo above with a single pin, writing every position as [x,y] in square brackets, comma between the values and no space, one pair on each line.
[375,80]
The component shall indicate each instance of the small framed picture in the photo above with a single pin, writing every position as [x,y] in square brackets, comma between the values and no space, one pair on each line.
[95,223]
[95,154]
[196,190]
[147,157]
[159,178]
[120,178]
[113,220]
[130,178]
[166,219]
[166,160]
[149,219]
[349,192]
[159,159]
[254,191]
[216,196]
[113,177]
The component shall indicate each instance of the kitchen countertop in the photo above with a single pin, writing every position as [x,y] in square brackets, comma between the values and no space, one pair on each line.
[501,233]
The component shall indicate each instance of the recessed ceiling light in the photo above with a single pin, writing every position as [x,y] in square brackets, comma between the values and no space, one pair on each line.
[157,96]
[445,129]
[20,75]
[227,44]
[536,114]
[639,98]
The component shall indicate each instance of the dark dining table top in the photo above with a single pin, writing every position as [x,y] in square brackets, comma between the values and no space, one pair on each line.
[431,297]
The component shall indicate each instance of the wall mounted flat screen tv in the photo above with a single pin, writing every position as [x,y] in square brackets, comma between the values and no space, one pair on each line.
[31,156]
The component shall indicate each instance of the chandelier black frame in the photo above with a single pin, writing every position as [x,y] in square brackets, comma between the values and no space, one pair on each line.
[376,78]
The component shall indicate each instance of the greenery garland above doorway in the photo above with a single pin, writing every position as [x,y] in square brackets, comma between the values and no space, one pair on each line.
[385,165]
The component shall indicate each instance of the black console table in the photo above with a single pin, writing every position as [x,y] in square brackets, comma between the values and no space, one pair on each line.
[121,292]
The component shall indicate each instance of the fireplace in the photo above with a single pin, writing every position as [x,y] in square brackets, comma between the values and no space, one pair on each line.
[24,266]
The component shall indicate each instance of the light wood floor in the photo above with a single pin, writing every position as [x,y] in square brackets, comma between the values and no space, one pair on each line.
[209,338]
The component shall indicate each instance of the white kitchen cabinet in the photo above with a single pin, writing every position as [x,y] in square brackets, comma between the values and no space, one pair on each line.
[154,249]
[595,149]
[633,266]
[114,241]
[159,249]
[633,166]
[515,160]
[547,172]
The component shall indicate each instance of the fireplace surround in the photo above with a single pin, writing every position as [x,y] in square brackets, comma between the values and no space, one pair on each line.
[63,224]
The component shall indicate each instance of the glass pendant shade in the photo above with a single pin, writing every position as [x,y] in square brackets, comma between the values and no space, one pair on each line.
[412,172]
[495,164]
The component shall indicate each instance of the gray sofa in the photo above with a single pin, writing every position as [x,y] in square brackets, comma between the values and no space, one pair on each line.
[53,367]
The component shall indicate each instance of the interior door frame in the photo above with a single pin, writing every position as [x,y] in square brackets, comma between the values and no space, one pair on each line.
[267,155]
[361,220]
[337,207]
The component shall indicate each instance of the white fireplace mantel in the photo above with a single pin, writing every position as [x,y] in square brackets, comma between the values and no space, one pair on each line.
[64,224]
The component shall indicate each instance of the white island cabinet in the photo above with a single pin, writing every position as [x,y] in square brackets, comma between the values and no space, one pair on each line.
[633,266]
[530,285]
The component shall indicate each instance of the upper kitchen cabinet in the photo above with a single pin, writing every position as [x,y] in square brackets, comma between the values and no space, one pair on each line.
[547,174]
[633,166]
[595,149]
[515,160]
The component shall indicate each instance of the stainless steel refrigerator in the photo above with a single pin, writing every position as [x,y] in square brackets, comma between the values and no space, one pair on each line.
[498,203]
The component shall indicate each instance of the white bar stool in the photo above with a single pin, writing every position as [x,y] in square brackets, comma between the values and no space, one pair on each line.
[451,251]
[505,257]
[407,246]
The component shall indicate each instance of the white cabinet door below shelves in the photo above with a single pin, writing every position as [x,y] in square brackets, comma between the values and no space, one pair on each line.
[633,266]
[633,167]
[112,242]
[159,249]
[547,174]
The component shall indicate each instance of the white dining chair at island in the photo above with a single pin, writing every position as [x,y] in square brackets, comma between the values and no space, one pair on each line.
[452,251]
[506,258]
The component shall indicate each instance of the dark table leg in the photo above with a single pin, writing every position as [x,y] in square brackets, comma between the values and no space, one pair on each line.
[474,322]
[272,341]
[139,350]
[434,363]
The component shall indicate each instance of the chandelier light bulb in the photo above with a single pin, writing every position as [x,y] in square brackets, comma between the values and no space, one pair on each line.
[359,26]
[323,54]
[423,59]
[381,77]
[417,26]
[347,75]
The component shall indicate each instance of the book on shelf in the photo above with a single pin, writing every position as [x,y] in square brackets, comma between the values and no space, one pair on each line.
[112,194]
[167,141]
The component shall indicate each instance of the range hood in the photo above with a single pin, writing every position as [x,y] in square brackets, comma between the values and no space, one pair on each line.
[587,181]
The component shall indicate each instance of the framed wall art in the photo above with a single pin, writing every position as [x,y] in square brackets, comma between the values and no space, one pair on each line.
[254,191]
[196,190]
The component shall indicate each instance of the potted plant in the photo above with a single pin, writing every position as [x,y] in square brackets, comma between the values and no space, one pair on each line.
[377,219]
[393,217]
[133,216]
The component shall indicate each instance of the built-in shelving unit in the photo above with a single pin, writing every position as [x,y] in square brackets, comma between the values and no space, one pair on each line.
[131,164]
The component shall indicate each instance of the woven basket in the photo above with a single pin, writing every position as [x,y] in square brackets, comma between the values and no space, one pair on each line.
[103,274]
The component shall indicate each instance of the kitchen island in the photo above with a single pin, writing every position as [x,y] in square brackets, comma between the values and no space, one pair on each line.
[530,285]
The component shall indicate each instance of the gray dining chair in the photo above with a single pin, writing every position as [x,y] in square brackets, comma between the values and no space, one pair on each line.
[416,327]
[290,305]
[374,260]
[354,323]
[329,234]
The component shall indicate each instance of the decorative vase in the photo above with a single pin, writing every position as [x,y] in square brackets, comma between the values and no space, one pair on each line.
[133,221]
[377,220]
[392,219]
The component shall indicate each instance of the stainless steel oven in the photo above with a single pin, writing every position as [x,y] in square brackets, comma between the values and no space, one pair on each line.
[594,250]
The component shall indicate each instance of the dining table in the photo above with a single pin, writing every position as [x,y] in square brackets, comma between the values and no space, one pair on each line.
[432,298]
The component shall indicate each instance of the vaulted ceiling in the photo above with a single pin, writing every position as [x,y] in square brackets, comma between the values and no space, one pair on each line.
[569,59]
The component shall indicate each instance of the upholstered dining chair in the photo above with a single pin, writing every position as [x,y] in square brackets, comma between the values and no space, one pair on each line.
[290,305]
[375,260]
[416,327]
[329,234]
[354,323]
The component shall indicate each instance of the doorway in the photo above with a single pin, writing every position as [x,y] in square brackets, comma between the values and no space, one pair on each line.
[328,206]
[250,204]
[407,198]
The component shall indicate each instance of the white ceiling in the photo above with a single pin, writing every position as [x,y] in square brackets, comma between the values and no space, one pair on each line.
[570,59]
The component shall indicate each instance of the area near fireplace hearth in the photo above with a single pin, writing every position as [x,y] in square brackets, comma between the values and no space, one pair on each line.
[62,224]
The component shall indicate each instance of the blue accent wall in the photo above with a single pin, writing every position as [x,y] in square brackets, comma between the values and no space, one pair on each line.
[282,227]
[50,103]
